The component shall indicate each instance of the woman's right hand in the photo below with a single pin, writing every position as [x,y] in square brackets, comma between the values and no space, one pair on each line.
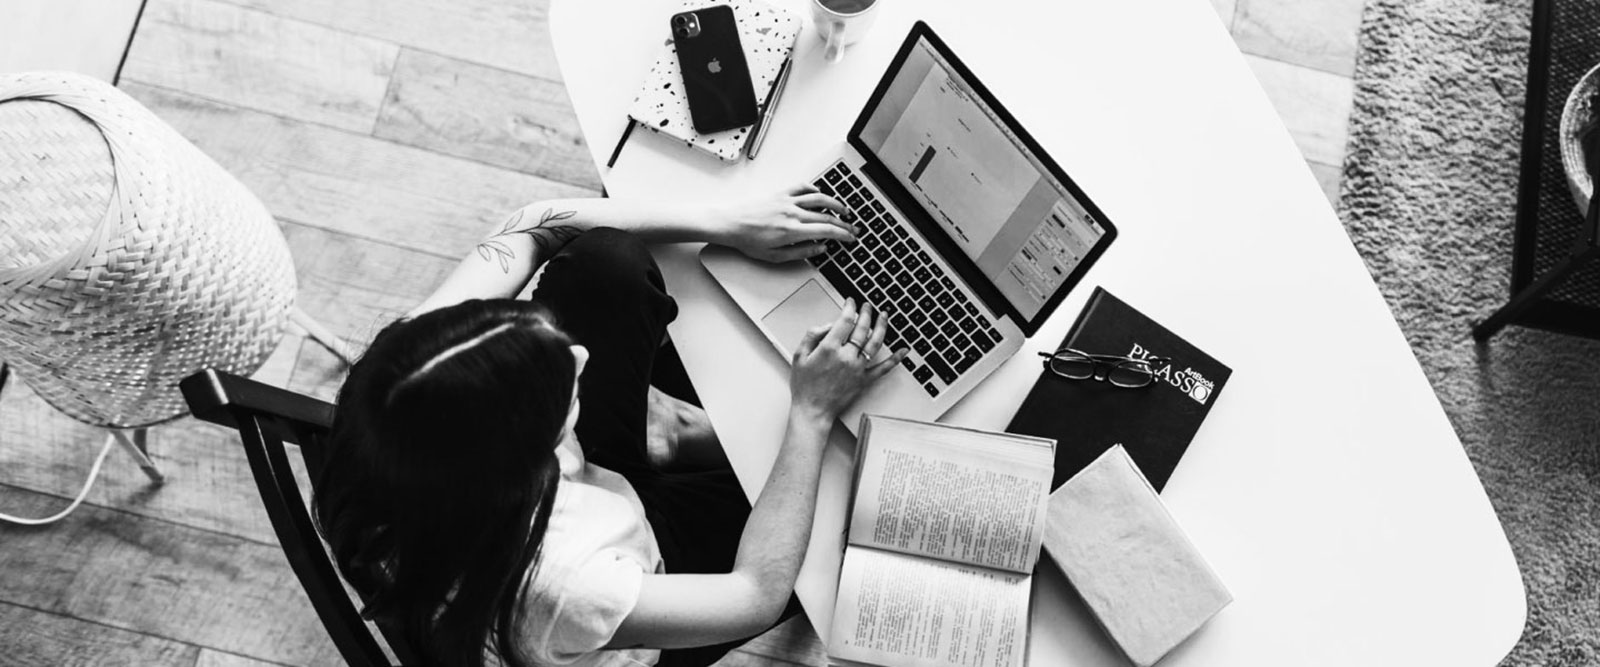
[783,228]
[835,362]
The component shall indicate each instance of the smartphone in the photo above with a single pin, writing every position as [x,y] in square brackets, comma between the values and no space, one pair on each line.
[716,78]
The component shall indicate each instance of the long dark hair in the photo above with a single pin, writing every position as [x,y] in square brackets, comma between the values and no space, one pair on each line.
[441,471]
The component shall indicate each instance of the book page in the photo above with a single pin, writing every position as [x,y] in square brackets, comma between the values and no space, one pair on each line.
[948,493]
[895,609]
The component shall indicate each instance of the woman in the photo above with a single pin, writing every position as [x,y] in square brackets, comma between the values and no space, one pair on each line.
[489,479]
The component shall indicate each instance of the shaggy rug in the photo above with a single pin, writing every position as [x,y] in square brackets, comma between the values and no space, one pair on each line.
[1429,197]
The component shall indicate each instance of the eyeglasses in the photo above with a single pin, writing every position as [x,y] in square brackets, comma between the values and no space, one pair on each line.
[1120,371]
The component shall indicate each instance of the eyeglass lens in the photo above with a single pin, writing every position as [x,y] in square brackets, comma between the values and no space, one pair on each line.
[1075,367]
[1124,373]
[1130,374]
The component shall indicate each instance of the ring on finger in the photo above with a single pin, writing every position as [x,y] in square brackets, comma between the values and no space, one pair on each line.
[859,349]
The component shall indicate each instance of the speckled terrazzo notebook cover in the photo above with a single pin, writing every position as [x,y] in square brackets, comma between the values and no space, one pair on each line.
[768,35]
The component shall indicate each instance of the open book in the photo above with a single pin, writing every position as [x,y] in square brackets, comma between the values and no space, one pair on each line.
[945,529]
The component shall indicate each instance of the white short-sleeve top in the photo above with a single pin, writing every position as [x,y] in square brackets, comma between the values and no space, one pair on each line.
[595,553]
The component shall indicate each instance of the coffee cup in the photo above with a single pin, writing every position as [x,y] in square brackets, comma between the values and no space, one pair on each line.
[842,22]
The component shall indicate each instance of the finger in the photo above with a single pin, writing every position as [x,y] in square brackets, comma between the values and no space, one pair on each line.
[817,200]
[880,328]
[882,368]
[796,251]
[801,189]
[863,328]
[815,224]
[808,342]
[839,331]
[812,226]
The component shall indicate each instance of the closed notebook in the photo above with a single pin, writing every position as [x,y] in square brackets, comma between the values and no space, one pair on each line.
[1134,567]
[1154,423]
[768,35]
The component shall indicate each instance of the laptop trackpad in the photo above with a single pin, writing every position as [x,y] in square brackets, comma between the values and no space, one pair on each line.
[808,307]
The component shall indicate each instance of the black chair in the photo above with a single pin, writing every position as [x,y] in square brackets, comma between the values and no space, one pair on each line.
[267,418]
[1555,280]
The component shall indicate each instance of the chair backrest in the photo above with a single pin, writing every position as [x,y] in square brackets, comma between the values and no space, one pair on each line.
[267,418]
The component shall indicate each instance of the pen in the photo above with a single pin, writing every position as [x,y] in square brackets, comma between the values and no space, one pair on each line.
[778,85]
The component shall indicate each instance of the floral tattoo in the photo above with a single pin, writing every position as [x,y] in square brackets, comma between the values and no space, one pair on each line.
[548,237]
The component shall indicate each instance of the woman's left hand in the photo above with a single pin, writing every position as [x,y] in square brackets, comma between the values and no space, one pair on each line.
[785,227]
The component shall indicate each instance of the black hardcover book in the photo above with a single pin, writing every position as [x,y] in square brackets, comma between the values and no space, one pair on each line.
[1154,423]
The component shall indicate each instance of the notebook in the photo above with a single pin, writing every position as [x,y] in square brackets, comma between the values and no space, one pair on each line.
[768,35]
[1154,423]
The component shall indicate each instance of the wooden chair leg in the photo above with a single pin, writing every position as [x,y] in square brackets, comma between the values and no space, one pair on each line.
[136,447]
[1521,300]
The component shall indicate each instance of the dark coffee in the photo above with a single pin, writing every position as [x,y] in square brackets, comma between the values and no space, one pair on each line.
[847,6]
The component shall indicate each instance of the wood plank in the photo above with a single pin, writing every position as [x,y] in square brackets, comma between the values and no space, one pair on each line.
[1322,34]
[510,34]
[260,61]
[213,658]
[792,641]
[740,658]
[84,36]
[350,183]
[1329,177]
[318,374]
[486,114]
[32,637]
[1225,11]
[1314,105]
[208,485]
[161,579]
[355,287]
[277,368]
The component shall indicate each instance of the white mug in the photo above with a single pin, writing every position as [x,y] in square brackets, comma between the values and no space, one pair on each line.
[842,22]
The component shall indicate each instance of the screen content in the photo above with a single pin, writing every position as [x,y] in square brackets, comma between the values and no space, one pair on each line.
[1022,227]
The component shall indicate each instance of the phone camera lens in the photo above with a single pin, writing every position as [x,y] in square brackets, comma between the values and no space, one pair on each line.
[685,26]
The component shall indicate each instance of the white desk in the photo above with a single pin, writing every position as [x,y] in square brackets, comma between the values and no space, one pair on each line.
[1327,487]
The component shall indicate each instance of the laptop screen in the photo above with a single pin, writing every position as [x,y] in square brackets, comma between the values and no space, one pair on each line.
[1022,228]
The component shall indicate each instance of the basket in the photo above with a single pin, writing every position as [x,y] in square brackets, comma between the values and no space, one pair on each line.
[128,259]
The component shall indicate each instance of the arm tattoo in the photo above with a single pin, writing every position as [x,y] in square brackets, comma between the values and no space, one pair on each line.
[548,236]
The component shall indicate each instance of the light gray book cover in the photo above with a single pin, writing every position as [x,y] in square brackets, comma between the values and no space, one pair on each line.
[1132,564]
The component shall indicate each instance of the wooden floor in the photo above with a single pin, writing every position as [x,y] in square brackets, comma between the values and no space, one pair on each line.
[385,135]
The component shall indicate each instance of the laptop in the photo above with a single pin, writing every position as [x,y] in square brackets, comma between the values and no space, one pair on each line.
[970,233]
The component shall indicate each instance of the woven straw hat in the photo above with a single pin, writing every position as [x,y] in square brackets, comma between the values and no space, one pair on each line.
[128,259]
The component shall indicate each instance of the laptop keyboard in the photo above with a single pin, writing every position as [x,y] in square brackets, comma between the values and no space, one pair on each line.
[891,269]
